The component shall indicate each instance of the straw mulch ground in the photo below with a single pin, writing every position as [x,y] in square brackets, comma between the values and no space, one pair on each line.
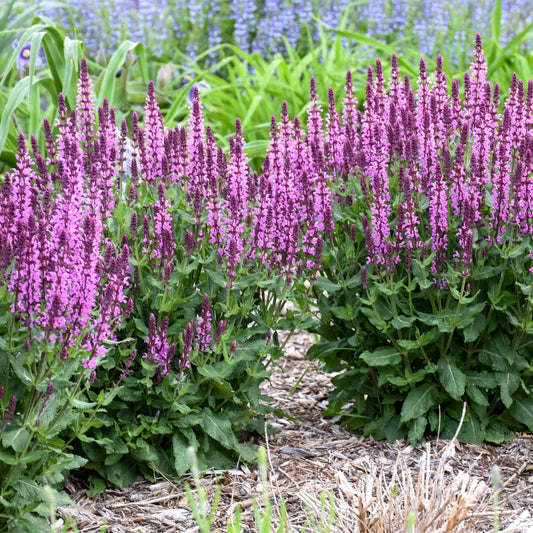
[375,485]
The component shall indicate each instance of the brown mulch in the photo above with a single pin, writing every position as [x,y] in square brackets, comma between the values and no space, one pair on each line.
[447,484]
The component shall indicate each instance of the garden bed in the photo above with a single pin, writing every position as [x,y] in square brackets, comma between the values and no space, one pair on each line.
[311,455]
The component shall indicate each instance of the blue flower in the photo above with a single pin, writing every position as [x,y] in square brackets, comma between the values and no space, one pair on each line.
[202,86]
[23,57]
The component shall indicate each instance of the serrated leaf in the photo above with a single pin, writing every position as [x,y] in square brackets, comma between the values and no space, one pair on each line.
[418,402]
[428,319]
[247,452]
[123,473]
[381,357]
[217,278]
[487,272]
[81,404]
[390,377]
[451,378]
[144,451]
[481,379]
[140,325]
[28,489]
[408,344]
[66,463]
[522,410]
[496,353]
[467,315]
[428,337]
[424,283]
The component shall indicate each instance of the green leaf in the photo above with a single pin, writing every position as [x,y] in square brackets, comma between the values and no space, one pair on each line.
[123,473]
[471,432]
[520,250]
[408,344]
[82,404]
[28,489]
[16,439]
[141,327]
[66,463]
[467,315]
[219,371]
[496,433]
[497,353]
[144,451]
[428,337]
[324,284]
[417,429]
[391,377]
[217,278]
[344,313]
[402,321]
[218,428]
[7,458]
[463,300]
[179,451]
[496,20]
[473,331]
[522,409]
[476,395]
[509,383]
[428,319]
[116,62]
[488,272]
[418,402]
[16,96]
[21,372]
[484,380]
[451,378]
[381,357]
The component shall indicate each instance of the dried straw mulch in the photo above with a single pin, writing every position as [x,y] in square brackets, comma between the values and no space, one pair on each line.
[375,485]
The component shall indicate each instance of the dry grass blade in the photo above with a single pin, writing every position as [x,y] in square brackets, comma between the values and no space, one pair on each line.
[381,501]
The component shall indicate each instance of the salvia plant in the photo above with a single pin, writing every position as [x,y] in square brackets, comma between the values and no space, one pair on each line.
[63,289]
[426,294]
[144,274]
[216,252]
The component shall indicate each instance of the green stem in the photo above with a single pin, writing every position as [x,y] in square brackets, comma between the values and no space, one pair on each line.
[457,311]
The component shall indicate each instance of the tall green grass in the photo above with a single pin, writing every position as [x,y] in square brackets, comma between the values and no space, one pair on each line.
[243,85]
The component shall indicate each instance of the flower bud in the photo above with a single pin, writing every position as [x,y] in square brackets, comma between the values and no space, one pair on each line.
[101,59]
[164,75]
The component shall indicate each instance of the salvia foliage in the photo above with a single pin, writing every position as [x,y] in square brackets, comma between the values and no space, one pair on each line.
[144,275]
[426,289]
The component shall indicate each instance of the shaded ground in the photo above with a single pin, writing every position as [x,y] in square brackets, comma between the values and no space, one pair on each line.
[375,484]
